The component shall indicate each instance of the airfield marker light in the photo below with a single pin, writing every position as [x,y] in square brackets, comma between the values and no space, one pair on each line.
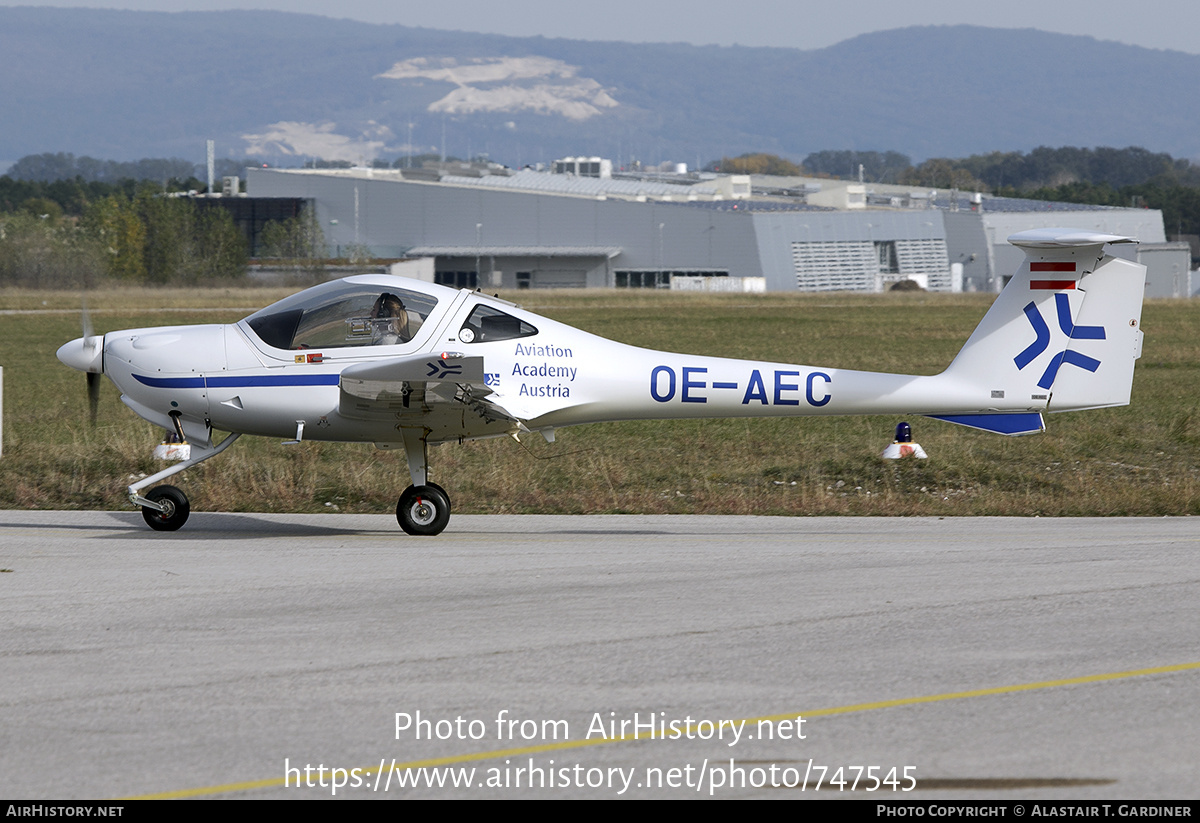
[903,446]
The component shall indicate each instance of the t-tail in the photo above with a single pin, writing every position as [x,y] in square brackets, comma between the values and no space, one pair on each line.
[1062,336]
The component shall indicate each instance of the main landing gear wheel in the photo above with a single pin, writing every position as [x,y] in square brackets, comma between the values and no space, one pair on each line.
[175,509]
[423,510]
[445,493]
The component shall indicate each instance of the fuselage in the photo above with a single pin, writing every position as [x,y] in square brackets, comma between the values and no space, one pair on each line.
[281,367]
[405,364]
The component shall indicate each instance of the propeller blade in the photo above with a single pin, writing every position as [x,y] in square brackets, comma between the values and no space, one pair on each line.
[93,391]
[90,344]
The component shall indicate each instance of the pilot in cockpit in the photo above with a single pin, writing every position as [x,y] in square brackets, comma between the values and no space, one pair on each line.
[389,321]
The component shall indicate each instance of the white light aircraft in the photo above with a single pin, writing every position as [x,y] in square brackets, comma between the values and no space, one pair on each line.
[408,364]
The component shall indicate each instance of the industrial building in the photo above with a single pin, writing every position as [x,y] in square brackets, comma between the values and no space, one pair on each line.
[493,228]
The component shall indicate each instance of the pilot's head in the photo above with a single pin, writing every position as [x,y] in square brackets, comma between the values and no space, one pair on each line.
[387,305]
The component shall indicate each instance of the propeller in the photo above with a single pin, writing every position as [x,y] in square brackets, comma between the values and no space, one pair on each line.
[87,355]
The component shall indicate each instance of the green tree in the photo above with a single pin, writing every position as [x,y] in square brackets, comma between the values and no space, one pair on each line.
[297,240]
[220,248]
[760,163]
[187,245]
[43,208]
[39,253]
[120,236]
[878,167]
[942,173]
[168,226]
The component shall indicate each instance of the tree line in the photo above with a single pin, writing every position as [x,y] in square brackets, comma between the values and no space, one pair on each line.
[85,229]
[151,238]
[49,167]
[1130,177]
[65,221]
[1036,170]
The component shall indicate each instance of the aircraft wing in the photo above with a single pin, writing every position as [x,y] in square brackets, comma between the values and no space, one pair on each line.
[417,385]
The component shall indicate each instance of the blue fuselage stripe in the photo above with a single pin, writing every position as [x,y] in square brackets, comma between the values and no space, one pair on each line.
[261,380]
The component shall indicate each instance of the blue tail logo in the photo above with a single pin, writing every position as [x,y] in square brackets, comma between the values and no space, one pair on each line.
[1042,341]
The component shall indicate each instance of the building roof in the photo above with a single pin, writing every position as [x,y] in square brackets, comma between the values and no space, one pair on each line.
[1021,204]
[514,251]
[582,186]
[754,205]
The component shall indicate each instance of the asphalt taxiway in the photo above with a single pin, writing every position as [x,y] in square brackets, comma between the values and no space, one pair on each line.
[996,657]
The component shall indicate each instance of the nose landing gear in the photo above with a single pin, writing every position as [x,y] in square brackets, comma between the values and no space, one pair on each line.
[174,512]
[166,508]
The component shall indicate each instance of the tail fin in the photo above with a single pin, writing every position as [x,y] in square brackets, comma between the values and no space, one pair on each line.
[1064,333]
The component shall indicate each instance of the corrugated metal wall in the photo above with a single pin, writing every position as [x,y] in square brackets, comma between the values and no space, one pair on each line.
[390,216]
[811,250]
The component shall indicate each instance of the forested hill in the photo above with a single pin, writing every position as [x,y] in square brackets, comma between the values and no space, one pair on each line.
[124,85]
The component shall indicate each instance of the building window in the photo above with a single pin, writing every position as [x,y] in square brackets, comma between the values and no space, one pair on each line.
[657,279]
[886,252]
[643,280]
[457,279]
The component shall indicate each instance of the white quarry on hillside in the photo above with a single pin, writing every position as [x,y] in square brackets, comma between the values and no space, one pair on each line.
[508,84]
[297,139]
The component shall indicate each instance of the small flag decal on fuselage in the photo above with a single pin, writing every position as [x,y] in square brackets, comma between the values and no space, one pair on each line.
[1052,285]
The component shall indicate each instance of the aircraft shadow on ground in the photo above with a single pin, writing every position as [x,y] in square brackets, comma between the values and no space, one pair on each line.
[202,526]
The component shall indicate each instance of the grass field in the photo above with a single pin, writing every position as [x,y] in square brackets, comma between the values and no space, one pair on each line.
[1143,459]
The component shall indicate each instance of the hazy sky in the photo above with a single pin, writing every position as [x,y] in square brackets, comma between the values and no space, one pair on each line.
[1159,24]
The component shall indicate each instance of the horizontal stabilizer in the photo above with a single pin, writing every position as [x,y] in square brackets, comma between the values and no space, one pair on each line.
[1065,239]
[1012,424]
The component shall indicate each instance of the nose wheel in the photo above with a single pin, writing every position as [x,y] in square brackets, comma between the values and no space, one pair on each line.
[170,507]
[175,509]
[423,510]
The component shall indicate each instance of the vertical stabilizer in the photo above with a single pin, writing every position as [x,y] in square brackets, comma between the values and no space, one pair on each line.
[1064,333]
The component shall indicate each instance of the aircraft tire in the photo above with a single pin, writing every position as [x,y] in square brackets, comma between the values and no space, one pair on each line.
[176,513]
[445,494]
[423,510]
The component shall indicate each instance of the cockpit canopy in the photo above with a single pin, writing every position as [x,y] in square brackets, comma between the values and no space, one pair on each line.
[343,313]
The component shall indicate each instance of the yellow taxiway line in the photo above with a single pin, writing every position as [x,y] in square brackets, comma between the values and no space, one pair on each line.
[249,785]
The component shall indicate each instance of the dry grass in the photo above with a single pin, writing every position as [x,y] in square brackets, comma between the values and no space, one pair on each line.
[1138,460]
[119,300]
